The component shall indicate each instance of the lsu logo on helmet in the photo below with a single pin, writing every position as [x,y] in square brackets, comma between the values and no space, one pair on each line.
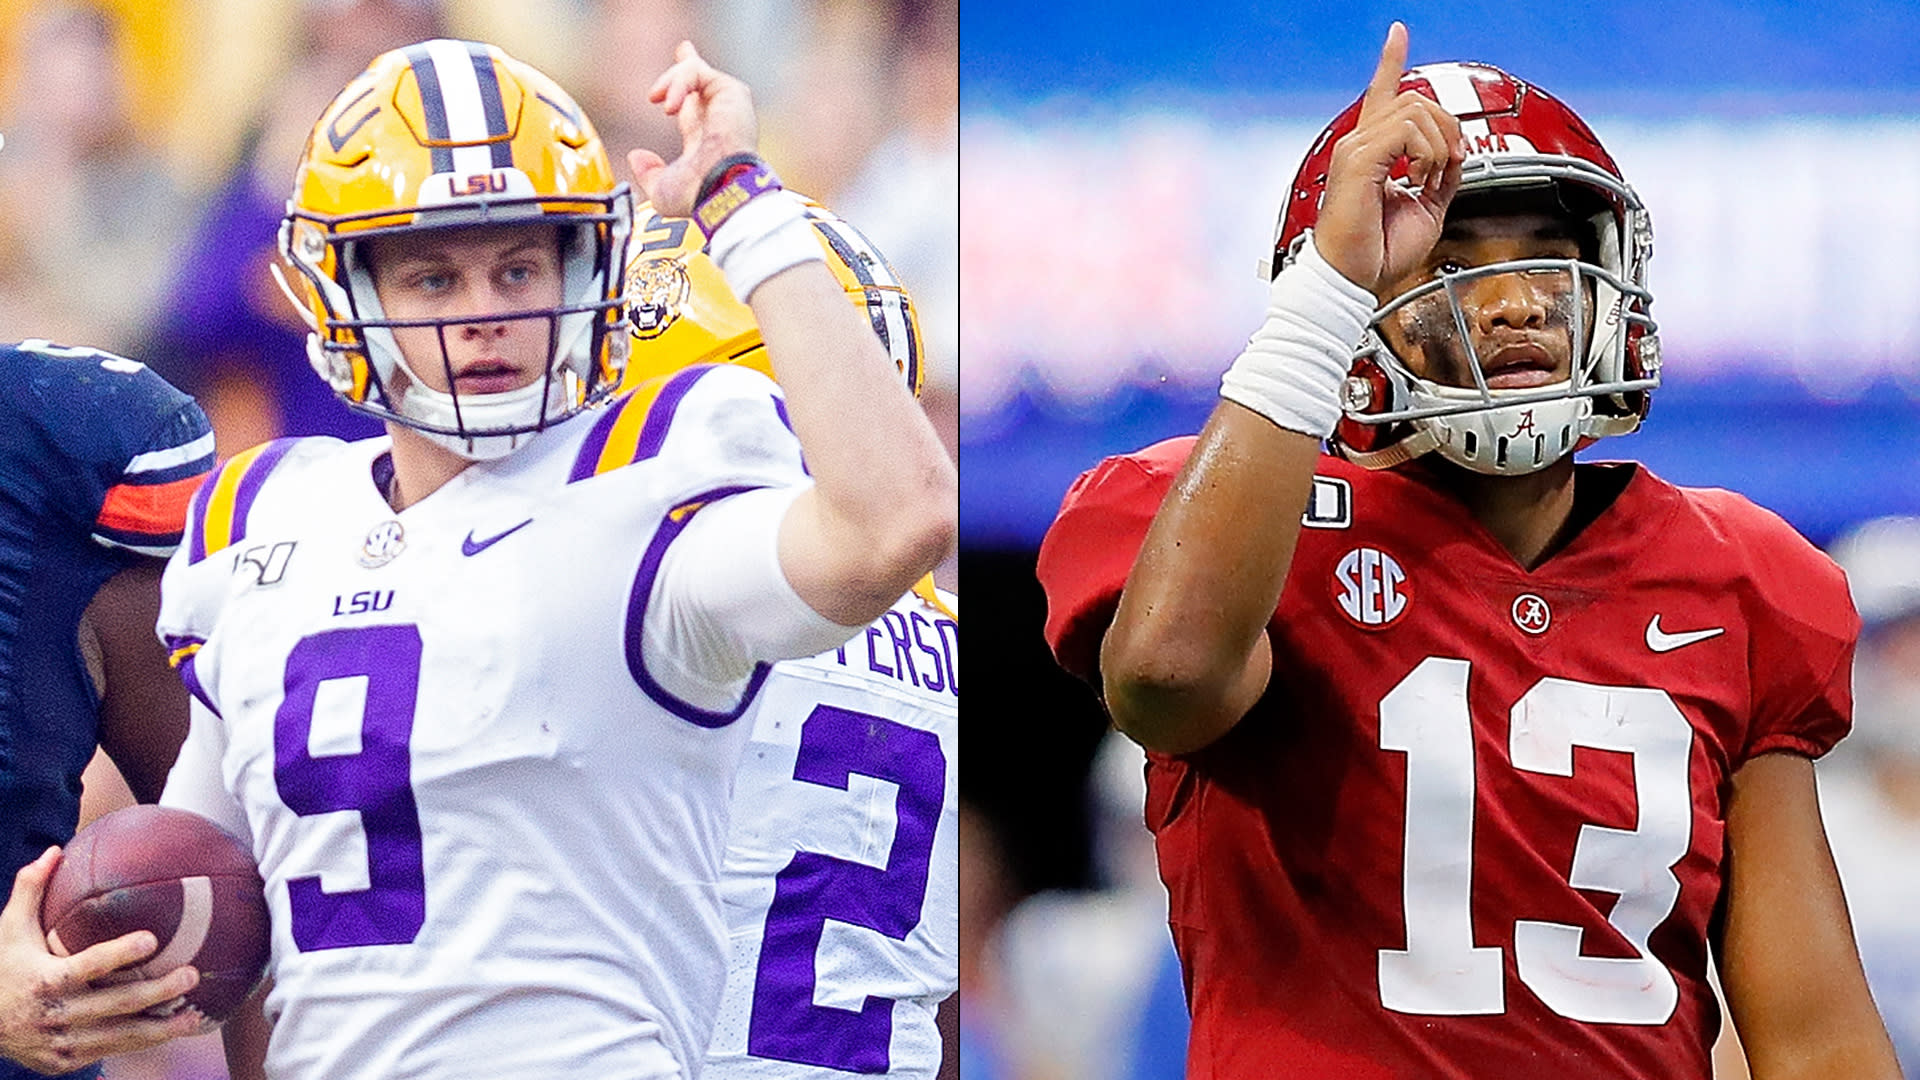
[681,312]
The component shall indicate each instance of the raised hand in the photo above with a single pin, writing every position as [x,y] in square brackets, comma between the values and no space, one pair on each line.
[1371,228]
[715,111]
[53,1018]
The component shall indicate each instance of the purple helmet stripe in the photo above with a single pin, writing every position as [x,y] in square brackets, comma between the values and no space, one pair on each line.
[490,103]
[427,78]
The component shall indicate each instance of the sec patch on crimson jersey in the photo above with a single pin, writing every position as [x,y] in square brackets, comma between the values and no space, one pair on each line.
[1370,588]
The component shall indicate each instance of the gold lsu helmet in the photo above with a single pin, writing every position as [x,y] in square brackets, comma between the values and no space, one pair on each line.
[449,134]
[681,311]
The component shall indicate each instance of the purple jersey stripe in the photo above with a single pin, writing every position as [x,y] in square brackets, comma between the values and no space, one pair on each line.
[596,441]
[637,620]
[197,518]
[780,409]
[660,418]
[250,484]
[184,667]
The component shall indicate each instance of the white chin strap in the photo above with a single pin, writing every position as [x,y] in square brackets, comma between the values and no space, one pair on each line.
[512,414]
[1511,440]
[495,425]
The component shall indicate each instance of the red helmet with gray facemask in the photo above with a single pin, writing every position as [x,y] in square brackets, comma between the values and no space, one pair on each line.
[1526,151]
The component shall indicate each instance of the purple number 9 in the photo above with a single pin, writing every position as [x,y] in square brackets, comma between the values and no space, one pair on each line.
[786,1024]
[376,781]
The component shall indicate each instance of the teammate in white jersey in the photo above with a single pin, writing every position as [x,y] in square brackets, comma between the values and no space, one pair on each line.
[842,867]
[471,689]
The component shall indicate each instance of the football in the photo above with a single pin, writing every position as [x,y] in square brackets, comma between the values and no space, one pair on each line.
[177,874]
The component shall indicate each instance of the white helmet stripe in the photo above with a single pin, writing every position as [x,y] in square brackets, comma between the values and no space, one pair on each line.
[466,112]
[1453,88]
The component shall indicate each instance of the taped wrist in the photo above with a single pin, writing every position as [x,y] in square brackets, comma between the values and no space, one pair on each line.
[762,237]
[1293,367]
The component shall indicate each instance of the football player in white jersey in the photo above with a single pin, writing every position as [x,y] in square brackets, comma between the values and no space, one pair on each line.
[842,870]
[471,690]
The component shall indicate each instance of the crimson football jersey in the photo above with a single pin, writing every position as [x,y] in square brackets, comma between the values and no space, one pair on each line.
[1476,826]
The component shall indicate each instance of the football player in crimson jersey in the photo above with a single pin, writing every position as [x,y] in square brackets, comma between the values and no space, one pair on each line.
[1468,776]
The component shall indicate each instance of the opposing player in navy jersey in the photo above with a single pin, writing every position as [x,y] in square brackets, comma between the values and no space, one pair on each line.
[1464,758]
[98,458]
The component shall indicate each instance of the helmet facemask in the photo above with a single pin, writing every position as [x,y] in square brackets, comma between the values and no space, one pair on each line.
[1588,299]
[362,360]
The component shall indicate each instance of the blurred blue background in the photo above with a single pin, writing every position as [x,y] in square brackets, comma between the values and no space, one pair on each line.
[1123,162]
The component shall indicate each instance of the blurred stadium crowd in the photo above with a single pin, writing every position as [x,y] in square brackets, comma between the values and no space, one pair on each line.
[150,146]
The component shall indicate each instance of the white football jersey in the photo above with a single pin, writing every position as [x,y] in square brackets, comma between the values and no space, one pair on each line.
[490,827]
[842,870]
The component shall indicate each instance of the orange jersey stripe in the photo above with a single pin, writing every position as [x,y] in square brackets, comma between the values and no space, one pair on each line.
[156,509]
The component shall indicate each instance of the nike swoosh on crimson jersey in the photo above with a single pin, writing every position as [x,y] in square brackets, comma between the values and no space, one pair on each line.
[1659,641]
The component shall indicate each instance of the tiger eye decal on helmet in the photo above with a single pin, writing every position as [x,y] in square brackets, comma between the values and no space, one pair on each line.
[445,134]
[1524,149]
[682,313]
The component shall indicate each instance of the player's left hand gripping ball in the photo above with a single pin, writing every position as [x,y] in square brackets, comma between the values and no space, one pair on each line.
[174,873]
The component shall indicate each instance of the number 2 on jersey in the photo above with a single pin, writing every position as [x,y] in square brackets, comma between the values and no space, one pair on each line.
[1441,971]
[377,781]
[786,1025]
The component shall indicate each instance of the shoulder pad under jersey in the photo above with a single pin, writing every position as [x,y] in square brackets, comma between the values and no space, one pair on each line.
[714,425]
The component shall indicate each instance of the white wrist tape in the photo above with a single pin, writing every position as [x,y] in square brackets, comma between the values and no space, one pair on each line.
[762,238]
[1294,365]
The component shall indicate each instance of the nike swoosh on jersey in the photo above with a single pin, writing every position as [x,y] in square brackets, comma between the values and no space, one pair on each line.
[470,546]
[1660,641]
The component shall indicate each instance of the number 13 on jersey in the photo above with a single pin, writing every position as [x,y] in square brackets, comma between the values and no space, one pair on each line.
[1441,971]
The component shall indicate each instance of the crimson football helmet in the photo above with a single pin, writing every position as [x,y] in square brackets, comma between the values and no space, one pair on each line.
[1522,144]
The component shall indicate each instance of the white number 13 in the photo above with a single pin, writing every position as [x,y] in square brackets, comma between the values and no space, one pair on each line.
[1441,971]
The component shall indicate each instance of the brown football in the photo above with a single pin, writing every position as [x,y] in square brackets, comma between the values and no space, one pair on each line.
[177,874]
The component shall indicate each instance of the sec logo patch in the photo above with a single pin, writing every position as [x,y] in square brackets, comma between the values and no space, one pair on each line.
[1370,588]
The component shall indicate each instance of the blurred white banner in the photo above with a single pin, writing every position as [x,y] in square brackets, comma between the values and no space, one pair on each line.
[1121,248]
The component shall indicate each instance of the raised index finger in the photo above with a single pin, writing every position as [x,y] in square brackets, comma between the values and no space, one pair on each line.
[1386,78]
